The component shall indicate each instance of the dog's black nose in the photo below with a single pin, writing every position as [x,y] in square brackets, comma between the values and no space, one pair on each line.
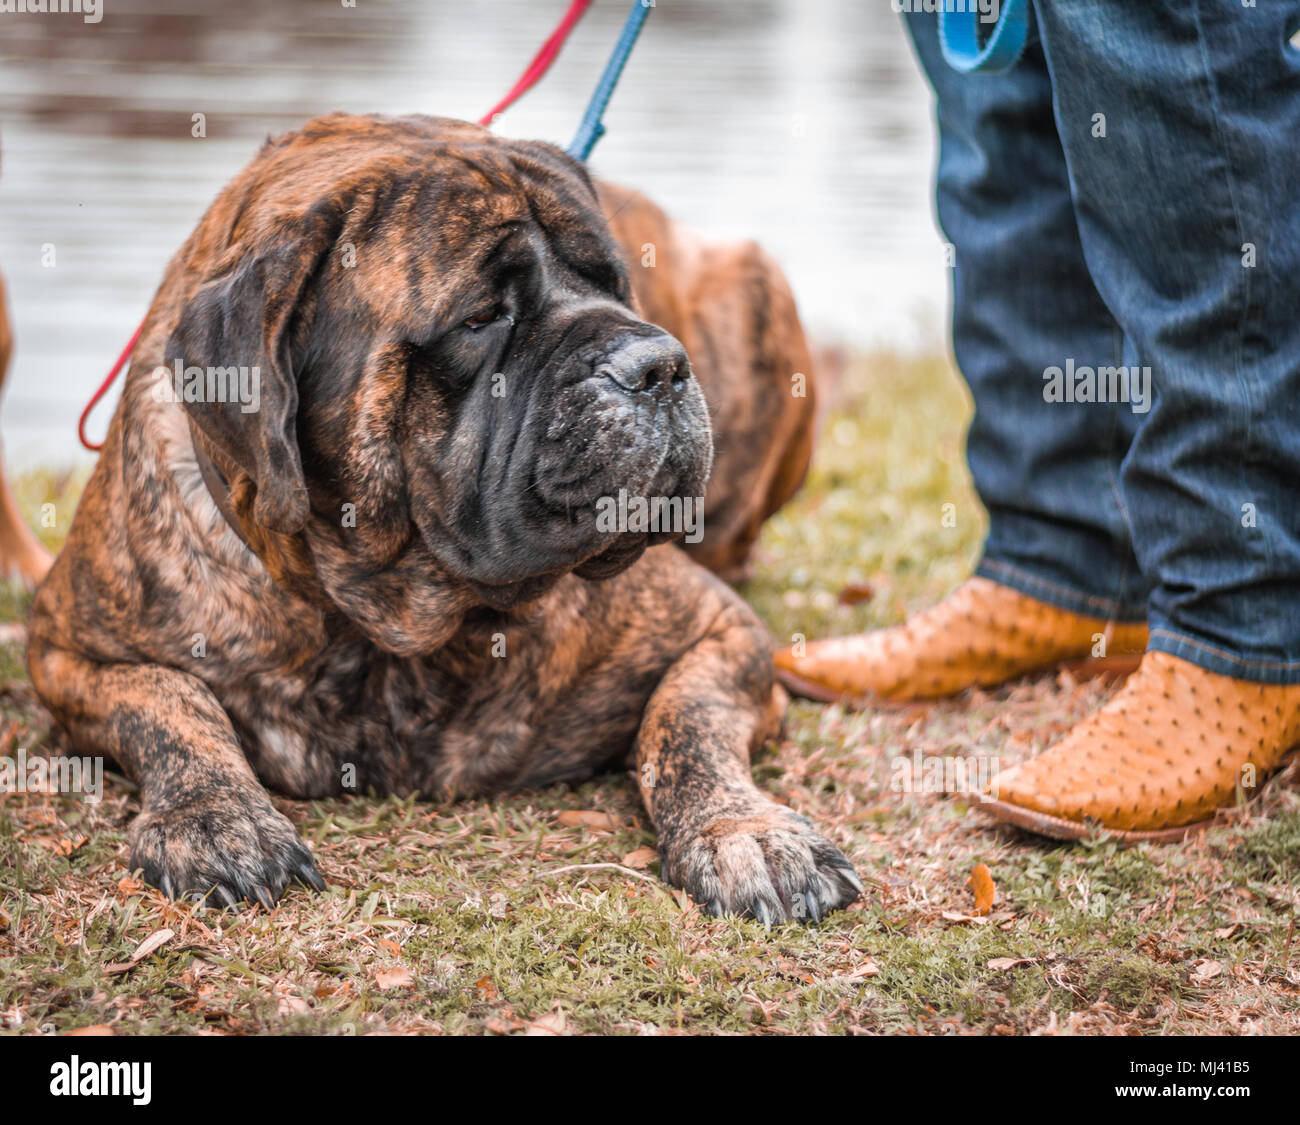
[655,364]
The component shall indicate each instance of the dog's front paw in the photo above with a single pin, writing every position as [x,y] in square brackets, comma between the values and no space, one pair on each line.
[766,862]
[222,847]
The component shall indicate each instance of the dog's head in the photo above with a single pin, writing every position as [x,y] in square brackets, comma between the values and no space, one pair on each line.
[447,352]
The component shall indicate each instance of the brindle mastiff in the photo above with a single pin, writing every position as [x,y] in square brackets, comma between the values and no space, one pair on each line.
[390,576]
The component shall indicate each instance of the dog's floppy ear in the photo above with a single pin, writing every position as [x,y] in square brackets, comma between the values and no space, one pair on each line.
[244,318]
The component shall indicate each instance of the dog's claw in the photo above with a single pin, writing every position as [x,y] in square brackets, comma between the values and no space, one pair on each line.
[308,875]
[851,877]
[263,895]
[224,896]
[763,913]
[813,903]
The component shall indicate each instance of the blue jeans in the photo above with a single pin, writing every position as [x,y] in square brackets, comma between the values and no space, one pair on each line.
[1124,206]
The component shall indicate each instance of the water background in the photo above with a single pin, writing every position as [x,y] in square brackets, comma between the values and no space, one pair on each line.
[803,123]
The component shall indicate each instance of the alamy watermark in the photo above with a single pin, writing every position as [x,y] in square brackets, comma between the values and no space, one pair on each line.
[1098,384]
[178,383]
[988,10]
[99,1079]
[676,515]
[90,11]
[949,773]
[36,773]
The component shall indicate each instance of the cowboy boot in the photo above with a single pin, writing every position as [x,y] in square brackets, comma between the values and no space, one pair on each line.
[1174,744]
[982,634]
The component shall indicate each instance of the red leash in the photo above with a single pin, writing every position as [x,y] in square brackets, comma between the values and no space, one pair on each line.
[541,61]
[539,66]
[103,390]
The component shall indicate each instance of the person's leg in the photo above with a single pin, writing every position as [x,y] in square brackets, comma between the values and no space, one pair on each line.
[1180,121]
[1048,472]
[1023,301]
[1189,208]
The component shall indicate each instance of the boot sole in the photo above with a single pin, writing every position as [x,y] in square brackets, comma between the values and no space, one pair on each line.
[1061,829]
[1091,668]
[1058,828]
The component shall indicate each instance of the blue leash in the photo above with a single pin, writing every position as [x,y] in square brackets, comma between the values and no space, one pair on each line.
[959,36]
[590,130]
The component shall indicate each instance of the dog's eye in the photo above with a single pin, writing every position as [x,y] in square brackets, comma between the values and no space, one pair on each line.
[484,318]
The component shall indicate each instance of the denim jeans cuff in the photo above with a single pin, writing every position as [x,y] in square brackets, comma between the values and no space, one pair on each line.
[1054,593]
[1215,659]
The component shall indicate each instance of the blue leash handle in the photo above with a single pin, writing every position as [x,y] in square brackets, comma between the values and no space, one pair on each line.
[959,36]
[590,130]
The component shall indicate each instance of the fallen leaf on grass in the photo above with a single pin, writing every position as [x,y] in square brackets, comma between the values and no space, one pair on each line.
[397,977]
[151,944]
[789,968]
[953,916]
[1208,970]
[487,988]
[60,846]
[92,1029]
[553,1023]
[577,818]
[856,592]
[867,968]
[326,989]
[1000,964]
[640,859]
[985,890]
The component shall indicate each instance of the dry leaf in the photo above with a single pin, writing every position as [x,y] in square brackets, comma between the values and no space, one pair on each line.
[1208,970]
[856,592]
[92,1029]
[953,916]
[151,944]
[577,818]
[396,977]
[325,990]
[388,945]
[867,968]
[553,1023]
[640,859]
[998,964]
[985,890]
[486,987]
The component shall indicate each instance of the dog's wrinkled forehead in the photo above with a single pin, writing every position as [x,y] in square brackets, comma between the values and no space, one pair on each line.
[420,205]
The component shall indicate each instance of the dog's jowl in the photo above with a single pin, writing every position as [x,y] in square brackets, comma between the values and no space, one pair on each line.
[389,576]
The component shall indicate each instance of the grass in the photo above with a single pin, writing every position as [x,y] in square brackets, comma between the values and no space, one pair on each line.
[507,917]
